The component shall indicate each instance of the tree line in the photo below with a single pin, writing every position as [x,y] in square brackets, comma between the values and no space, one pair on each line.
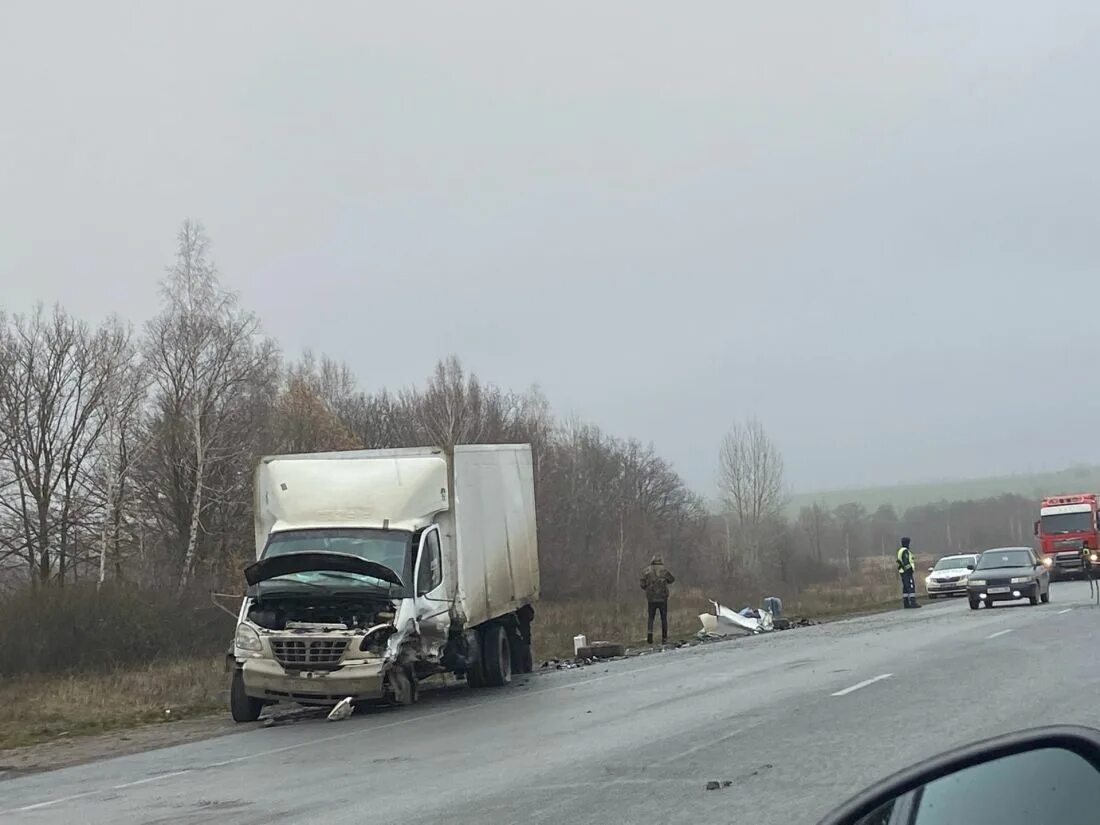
[126,456]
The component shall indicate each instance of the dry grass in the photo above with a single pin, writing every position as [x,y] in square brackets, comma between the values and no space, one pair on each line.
[872,587]
[556,623]
[39,708]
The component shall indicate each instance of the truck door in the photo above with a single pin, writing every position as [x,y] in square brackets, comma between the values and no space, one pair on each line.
[432,605]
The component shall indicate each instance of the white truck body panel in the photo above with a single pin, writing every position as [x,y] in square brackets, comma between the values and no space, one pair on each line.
[357,488]
[487,522]
[494,533]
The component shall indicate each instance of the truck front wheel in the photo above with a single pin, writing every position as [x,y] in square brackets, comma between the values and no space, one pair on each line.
[496,656]
[242,707]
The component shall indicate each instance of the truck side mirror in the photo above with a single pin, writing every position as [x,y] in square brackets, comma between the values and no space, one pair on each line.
[1035,527]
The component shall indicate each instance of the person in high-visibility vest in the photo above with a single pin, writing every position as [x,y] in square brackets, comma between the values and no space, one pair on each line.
[905,570]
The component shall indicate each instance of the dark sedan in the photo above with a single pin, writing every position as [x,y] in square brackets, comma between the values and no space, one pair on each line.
[1006,574]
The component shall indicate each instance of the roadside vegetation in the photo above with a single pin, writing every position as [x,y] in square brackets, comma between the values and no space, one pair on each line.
[117,685]
[126,459]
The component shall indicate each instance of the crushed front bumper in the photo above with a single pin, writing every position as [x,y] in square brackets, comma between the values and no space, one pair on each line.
[267,679]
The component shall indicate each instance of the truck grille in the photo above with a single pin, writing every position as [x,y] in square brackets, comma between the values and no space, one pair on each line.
[301,653]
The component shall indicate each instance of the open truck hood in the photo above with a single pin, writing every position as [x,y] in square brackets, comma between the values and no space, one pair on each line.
[288,563]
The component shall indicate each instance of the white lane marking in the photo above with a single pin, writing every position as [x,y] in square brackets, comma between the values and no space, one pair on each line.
[1000,633]
[357,732]
[149,779]
[700,746]
[862,684]
[1067,610]
[47,804]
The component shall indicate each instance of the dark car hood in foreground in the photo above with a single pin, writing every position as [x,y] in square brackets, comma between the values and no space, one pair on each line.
[289,563]
[1005,573]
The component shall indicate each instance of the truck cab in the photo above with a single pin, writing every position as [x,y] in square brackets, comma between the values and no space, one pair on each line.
[1067,531]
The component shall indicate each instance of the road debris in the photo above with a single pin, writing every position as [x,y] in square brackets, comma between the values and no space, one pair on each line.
[342,711]
[725,622]
[600,650]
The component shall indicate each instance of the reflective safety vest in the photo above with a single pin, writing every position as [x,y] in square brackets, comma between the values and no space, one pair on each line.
[905,560]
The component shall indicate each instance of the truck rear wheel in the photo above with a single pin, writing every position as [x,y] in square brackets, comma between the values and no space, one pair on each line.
[242,707]
[523,659]
[496,655]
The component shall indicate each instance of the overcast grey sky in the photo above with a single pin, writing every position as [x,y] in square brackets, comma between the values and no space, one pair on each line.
[874,225]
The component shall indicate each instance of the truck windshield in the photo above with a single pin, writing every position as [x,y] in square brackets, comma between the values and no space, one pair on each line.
[386,547]
[1067,523]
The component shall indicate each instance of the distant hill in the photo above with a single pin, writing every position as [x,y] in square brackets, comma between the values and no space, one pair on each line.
[1034,485]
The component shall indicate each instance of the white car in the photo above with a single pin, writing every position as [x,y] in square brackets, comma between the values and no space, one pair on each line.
[949,576]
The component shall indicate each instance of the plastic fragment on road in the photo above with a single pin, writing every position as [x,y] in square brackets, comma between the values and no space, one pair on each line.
[342,711]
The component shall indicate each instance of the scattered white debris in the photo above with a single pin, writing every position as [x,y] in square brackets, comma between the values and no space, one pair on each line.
[342,711]
[726,622]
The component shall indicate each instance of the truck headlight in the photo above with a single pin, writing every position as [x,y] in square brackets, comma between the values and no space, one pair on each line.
[978,582]
[247,639]
[1019,580]
[1092,557]
[1048,561]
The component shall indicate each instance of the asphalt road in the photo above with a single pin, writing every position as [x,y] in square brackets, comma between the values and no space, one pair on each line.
[794,721]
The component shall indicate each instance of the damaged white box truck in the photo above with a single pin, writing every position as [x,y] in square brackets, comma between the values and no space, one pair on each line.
[377,568]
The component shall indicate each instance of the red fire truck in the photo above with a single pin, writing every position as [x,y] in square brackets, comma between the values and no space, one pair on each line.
[1067,525]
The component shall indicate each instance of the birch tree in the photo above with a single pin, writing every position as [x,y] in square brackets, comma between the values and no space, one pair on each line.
[203,352]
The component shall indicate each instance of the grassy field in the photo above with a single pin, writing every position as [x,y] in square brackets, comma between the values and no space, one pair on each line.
[40,708]
[1033,485]
[43,708]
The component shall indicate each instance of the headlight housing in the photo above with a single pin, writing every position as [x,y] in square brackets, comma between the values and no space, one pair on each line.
[247,639]
[976,581]
[1020,580]
[1047,561]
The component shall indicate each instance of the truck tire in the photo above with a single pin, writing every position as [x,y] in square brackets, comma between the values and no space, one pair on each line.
[242,707]
[496,656]
[475,675]
[974,604]
[523,659]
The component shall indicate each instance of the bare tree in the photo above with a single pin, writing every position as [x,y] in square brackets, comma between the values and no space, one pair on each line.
[814,521]
[751,484]
[203,351]
[305,423]
[53,403]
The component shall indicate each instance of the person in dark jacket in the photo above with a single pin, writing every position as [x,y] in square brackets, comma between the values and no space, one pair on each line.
[655,581]
[905,570]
